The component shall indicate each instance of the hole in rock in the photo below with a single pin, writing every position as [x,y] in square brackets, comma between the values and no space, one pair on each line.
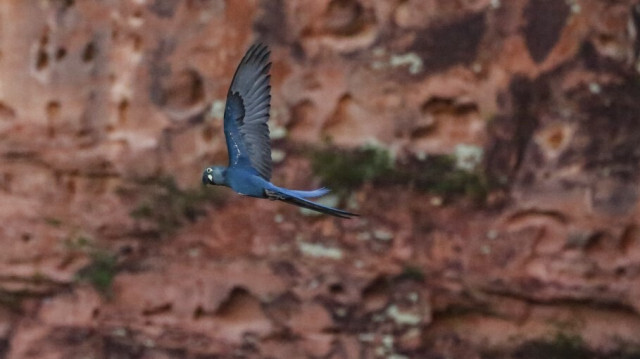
[61,53]
[123,108]
[89,52]
[42,60]
[336,288]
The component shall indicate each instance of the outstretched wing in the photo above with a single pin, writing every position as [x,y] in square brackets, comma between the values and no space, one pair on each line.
[247,112]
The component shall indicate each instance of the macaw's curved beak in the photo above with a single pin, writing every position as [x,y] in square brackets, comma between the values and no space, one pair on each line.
[207,178]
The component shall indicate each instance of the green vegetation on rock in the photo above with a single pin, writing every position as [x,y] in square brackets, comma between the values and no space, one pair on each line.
[412,272]
[567,345]
[442,175]
[101,271]
[342,170]
[167,206]
[102,268]
[561,347]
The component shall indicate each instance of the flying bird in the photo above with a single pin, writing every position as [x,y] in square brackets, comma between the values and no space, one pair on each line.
[245,128]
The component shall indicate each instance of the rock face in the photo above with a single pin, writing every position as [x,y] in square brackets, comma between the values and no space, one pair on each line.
[109,110]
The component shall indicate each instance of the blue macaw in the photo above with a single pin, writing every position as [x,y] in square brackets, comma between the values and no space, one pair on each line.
[245,128]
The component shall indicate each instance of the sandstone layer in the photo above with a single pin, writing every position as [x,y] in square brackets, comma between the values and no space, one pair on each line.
[530,248]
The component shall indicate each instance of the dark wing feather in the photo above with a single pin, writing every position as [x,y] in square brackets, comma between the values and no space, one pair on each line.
[233,115]
[247,112]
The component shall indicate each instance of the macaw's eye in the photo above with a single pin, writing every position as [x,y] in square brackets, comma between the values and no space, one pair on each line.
[209,170]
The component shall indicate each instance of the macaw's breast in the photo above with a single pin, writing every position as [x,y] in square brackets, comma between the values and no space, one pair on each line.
[246,181]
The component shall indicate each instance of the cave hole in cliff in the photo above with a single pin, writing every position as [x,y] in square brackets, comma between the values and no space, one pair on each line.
[53,111]
[53,108]
[302,115]
[66,4]
[6,111]
[376,294]
[137,43]
[423,129]
[42,57]
[61,53]
[630,237]
[5,181]
[595,241]
[26,237]
[123,107]
[620,272]
[71,186]
[342,112]
[436,109]
[440,105]
[208,133]
[160,309]
[555,139]
[336,288]
[544,22]
[184,90]
[240,305]
[345,17]
[89,52]
[198,312]
[42,60]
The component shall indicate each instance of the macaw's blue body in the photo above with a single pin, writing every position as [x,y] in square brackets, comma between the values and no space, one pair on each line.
[247,134]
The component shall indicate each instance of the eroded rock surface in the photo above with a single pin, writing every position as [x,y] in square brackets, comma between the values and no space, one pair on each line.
[109,110]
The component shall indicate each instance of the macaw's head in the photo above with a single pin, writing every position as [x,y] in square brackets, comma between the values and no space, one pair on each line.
[214,175]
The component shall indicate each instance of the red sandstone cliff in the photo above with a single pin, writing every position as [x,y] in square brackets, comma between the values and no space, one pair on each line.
[510,228]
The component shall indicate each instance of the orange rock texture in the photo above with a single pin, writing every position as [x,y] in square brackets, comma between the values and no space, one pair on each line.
[508,226]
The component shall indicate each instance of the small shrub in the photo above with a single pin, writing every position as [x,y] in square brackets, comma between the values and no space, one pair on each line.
[342,170]
[168,207]
[561,347]
[101,271]
[349,169]
[439,175]
[102,268]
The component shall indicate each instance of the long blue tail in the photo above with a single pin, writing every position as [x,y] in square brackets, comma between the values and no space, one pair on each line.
[297,198]
[308,194]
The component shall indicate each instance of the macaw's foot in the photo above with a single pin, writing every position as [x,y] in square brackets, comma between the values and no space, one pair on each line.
[273,195]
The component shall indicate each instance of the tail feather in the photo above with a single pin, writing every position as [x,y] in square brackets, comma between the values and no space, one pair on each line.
[309,194]
[287,196]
